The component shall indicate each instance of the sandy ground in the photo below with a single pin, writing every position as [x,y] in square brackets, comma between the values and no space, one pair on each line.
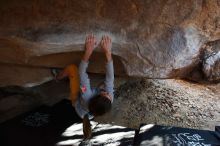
[165,102]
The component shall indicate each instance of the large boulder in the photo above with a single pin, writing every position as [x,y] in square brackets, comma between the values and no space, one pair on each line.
[153,39]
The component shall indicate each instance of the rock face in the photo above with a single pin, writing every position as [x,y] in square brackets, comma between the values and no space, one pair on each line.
[211,62]
[25,76]
[212,66]
[153,39]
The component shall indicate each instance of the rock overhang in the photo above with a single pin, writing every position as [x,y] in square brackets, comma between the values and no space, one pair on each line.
[153,39]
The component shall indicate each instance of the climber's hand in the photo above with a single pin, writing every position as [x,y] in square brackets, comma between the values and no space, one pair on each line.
[106,45]
[90,44]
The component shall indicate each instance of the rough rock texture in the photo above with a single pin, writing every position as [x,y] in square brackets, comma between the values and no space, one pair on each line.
[165,102]
[151,38]
[25,76]
[211,62]
[212,66]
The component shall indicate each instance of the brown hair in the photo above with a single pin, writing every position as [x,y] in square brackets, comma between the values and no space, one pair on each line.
[99,105]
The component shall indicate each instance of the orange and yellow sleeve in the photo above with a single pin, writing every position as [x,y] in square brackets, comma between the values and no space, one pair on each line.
[73,74]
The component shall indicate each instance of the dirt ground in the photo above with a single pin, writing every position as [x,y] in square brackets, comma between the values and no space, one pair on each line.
[165,102]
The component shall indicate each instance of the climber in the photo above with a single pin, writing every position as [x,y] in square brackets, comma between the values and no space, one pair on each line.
[95,101]
[92,101]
